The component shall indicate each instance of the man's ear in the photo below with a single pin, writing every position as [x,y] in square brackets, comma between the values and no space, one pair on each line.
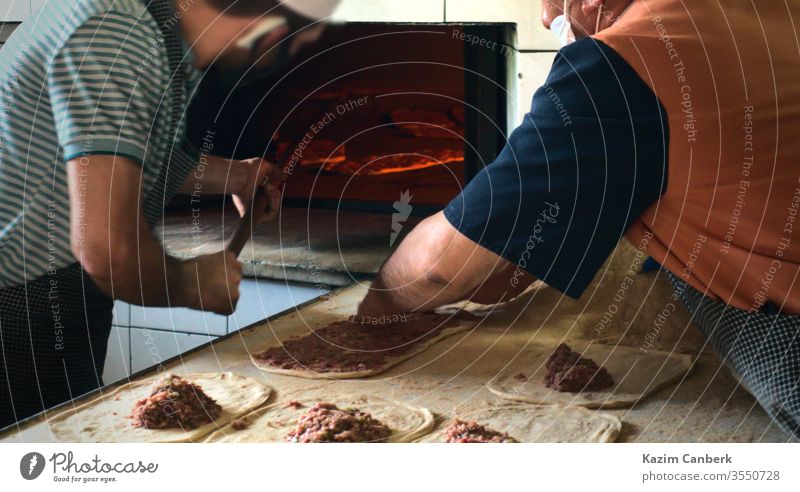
[590,6]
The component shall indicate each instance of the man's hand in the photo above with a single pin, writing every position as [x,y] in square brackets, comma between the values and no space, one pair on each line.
[246,180]
[258,174]
[210,283]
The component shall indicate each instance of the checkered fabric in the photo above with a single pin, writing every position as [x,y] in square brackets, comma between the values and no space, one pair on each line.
[762,349]
[53,337]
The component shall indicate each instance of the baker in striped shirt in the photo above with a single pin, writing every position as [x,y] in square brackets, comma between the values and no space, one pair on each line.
[93,97]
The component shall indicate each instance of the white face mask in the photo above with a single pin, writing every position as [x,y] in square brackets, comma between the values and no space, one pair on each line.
[562,25]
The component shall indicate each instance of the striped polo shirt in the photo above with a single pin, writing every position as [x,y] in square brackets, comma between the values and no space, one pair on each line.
[85,77]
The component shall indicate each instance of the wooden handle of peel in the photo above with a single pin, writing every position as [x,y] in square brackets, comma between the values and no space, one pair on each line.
[257,209]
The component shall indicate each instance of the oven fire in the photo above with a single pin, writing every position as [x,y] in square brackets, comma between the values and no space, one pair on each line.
[356,125]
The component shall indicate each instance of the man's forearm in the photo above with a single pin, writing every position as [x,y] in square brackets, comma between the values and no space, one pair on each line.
[417,276]
[117,247]
[216,175]
[137,271]
[437,265]
[398,289]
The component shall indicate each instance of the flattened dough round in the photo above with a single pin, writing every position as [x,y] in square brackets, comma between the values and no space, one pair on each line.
[104,419]
[531,424]
[273,423]
[390,362]
[637,374]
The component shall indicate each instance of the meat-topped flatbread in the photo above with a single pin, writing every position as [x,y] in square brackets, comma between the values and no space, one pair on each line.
[337,418]
[164,409]
[348,349]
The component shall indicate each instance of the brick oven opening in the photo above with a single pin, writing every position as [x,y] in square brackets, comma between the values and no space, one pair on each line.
[369,115]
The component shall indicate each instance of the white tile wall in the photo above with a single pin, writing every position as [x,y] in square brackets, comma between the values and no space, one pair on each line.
[118,355]
[122,314]
[179,319]
[37,4]
[19,10]
[14,10]
[391,11]
[261,299]
[532,71]
[152,347]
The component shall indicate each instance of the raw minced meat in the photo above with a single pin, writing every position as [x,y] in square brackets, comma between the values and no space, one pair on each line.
[347,346]
[175,402]
[325,422]
[567,371]
[460,431]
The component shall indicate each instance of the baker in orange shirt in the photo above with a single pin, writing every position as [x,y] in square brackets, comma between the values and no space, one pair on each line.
[673,124]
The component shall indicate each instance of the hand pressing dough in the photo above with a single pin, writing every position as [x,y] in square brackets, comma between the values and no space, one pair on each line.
[105,419]
[425,329]
[636,374]
[273,423]
[531,424]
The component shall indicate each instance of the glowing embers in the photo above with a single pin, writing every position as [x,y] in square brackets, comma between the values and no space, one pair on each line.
[396,163]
